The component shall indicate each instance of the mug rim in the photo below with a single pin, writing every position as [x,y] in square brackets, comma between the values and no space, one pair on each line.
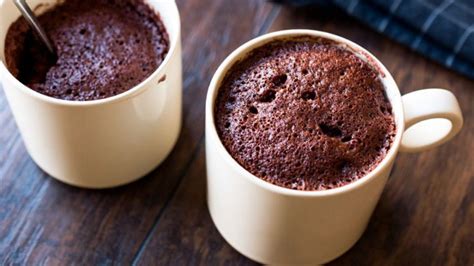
[245,49]
[135,90]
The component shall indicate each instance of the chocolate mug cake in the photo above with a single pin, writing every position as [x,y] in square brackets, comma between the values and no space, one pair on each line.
[305,114]
[103,49]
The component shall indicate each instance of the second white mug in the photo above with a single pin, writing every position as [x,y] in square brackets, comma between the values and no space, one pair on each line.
[101,143]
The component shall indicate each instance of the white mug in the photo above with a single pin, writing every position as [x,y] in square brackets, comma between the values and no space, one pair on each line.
[276,225]
[107,142]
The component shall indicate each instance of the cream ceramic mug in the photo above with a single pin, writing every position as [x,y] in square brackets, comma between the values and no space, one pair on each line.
[100,143]
[276,225]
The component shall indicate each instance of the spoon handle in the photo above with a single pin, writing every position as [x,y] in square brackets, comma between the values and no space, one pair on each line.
[31,19]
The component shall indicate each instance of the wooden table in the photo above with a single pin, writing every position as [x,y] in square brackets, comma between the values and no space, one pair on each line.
[425,216]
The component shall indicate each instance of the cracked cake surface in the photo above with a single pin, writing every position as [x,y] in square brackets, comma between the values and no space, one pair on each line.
[304,114]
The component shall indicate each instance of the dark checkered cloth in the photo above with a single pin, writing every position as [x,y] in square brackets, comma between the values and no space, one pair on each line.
[440,29]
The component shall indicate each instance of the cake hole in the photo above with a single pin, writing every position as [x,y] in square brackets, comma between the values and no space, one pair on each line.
[82,31]
[279,80]
[308,95]
[330,131]
[227,124]
[344,165]
[68,91]
[384,110]
[268,96]
[253,110]
[346,139]
[231,99]
[304,71]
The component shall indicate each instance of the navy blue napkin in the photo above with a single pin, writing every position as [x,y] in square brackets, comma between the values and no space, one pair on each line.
[439,29]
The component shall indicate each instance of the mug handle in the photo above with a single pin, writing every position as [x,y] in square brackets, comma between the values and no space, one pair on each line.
[432,117]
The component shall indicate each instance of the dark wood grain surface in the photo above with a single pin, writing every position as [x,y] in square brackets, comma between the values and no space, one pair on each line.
[425,215]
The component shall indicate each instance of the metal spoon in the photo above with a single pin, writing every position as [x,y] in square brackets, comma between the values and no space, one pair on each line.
[33,21]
